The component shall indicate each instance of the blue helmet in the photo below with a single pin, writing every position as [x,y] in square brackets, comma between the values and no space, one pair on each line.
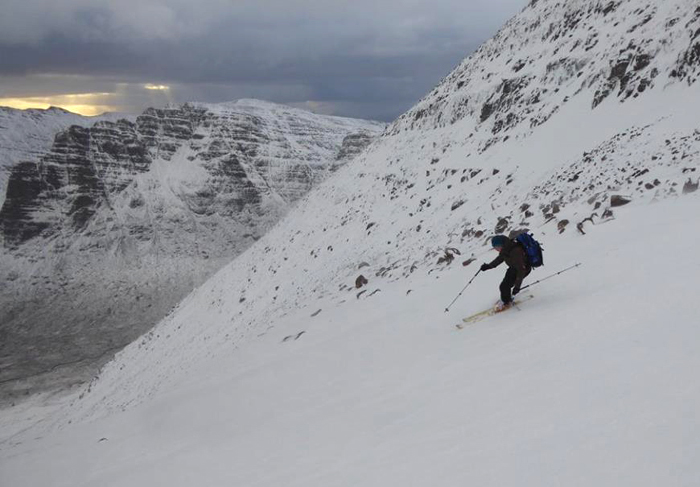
[499,241]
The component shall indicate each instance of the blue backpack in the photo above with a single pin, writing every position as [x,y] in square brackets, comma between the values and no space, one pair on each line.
[533,249]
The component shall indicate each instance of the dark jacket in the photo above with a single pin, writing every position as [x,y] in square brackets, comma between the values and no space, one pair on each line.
[513,254]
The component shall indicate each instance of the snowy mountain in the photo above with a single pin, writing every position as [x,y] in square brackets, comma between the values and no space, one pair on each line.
[26,134]
[117,222]
[288,368]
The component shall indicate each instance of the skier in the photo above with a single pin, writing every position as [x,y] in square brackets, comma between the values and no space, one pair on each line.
[513,254]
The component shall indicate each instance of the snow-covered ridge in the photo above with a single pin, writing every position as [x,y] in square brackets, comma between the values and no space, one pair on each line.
[126,217]
[556,52]
[434,185]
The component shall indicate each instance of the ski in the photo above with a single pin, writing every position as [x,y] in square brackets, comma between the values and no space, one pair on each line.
[490,312]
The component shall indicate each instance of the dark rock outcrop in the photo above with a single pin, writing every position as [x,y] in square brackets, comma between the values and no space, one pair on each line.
[618,200]
[690,187]
[353,144]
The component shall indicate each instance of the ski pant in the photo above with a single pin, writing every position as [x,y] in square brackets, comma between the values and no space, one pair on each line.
[507,284]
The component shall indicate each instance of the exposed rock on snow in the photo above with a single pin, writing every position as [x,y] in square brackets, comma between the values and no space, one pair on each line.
[690,187]
[360,281]
[618,200]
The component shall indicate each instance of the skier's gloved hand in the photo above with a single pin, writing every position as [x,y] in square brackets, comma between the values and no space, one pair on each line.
[485,267]
[516,290]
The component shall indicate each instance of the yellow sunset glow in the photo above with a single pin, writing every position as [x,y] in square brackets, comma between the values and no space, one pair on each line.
[88,104]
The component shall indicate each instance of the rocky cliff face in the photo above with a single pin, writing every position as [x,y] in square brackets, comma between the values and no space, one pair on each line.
[223,159]
[125,217]
[25,135]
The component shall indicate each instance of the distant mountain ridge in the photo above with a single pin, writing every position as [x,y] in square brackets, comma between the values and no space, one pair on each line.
[228,156]
[155,204]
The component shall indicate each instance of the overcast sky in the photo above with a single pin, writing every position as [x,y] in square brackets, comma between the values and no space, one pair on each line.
[361,58]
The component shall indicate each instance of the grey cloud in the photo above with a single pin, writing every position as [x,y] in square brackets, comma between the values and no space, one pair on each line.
[363,58]
[26,21]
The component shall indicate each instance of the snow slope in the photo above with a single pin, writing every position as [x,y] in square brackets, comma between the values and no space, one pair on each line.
[279,371]
[590,383]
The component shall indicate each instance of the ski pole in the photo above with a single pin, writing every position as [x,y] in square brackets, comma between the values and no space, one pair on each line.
[549,277]
[462,291]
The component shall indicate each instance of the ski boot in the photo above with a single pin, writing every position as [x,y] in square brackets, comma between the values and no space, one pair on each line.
[501,306]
